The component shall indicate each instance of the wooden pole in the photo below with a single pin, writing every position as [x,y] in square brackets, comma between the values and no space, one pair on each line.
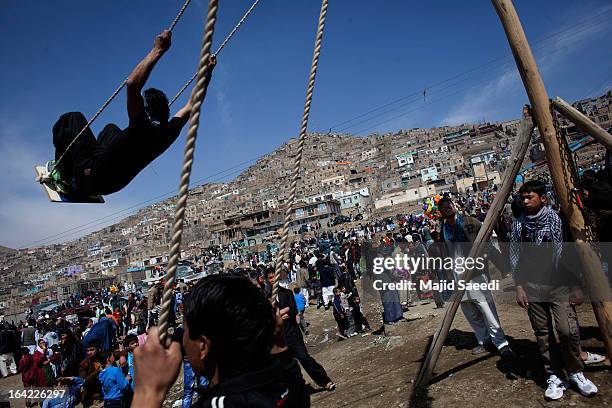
[525,130]
[596,282]
[583,122]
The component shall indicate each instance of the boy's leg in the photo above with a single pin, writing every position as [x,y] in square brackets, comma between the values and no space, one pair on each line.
[351,322]
[108,135]
[494,329]
[341,325]
[64,131]
[306,294]
[474,317]
[569,338]
[539,316]
[311,366]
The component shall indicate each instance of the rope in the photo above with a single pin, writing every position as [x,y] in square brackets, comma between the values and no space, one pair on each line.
[230,35]
[197,98]
[105,104]
[179,15]
[298,158]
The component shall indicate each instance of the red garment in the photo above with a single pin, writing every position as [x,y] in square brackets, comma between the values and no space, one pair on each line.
[111,316]
[117,316]
[39,376]
[31,367]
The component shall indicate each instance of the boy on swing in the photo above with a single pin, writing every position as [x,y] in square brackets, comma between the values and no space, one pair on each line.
[107,164]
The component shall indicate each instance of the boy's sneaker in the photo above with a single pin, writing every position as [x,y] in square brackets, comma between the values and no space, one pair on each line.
[59,184]
[479,349]
[555,388]
[49,166]
[584,385]
[593,358]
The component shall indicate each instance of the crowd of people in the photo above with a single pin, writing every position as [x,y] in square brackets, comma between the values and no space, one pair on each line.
[236,348]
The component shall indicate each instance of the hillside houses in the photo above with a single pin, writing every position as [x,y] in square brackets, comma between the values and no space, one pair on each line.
[340,174]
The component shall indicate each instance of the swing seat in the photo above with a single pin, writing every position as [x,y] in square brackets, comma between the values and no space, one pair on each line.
[55,197]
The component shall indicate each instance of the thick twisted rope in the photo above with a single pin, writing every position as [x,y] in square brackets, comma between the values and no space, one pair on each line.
[197,98]
[223,44]
[278,266]
[105,104]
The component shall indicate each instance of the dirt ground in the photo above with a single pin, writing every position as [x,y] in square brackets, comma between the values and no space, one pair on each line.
[379,370]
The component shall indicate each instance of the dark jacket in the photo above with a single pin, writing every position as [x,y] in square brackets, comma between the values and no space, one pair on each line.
[29,336]
[88,371]
[264,388]
[290,326]
[327,276]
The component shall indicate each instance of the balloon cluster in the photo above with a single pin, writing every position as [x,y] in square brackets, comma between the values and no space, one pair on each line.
[430,207]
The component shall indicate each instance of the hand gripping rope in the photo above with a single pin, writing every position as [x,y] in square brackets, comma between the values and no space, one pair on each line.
[278,266]
[105,104]
[197,98]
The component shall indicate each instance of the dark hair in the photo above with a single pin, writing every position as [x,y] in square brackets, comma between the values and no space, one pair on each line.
[94,343]
[296,290]
[237,319]
[129,338]
[156,105]
[103,357]
[533,186]
[444,200]
[517,207]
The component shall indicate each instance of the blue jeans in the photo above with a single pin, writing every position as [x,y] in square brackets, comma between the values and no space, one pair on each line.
[189,384]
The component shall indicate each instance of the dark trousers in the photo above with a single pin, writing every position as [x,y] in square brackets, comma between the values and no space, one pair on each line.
[342,324]
[83,152]
[298,394]
[542,315]
[303,324]
[113,404]
[360,320]
[298,350]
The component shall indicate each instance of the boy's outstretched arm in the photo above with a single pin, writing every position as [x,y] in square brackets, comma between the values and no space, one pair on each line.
[140,74]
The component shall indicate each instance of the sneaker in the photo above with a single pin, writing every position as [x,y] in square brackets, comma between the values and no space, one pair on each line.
[584,385]
[59,184]
[555,388]
[479,349]
[593,358]
[49,166]
[331,386]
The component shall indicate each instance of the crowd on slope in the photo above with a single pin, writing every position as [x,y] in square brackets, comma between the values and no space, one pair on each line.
[232,336]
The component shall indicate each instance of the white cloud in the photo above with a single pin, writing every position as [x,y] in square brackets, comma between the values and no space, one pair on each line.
[35,221]
[219,85]
[478,103]
[26,215]
[225,109]
[490,99]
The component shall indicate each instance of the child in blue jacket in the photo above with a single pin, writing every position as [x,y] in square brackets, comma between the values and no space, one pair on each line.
[300,302]
[114,384]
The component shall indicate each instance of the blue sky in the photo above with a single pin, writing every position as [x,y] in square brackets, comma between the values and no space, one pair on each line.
[70,55]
